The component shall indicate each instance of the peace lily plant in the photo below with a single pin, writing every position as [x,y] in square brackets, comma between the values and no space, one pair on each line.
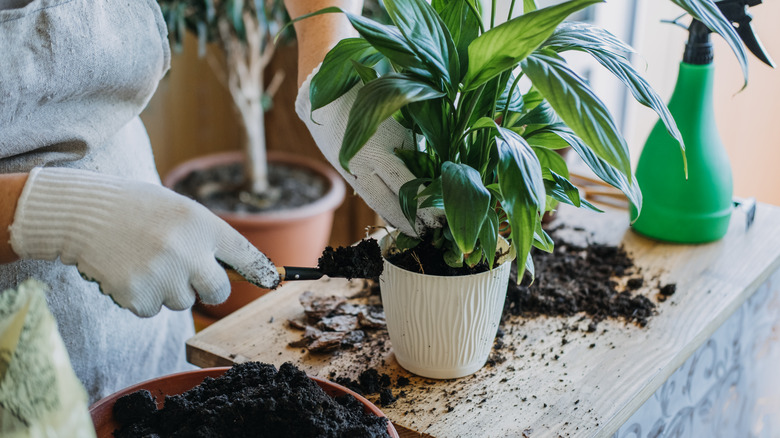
[486,154]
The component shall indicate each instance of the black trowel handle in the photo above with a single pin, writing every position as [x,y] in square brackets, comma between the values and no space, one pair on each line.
[286,272]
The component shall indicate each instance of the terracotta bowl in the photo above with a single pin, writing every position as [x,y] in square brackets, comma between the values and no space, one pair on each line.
[103,416]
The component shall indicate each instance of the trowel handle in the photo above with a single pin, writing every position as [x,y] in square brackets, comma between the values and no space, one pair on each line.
[286,272]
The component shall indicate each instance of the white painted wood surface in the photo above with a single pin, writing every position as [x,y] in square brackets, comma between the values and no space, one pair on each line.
[554,381]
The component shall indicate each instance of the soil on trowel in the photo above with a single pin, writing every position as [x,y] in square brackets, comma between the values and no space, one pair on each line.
[222,188]
[250,400]
[363,260]
[599,280]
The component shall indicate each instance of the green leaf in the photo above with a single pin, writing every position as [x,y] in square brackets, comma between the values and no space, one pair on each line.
[453,257]
[404,242]
[419,163]
[541,114]
[366,73]
[542,240]
[337,74]
[608,51]
[432,195]
[708,13]
[473,258]
[529,266]
[547,138]
[522,189]
[604,170]
[551,161]
[375,102]
[466,201]
[561,189]
[575,103]
[529,6]
[428,36]
[407,197]
[488,236]
[463,26]
[502,47]
[429,115]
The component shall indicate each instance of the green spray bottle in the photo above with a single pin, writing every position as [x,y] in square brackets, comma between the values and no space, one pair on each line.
[695,209]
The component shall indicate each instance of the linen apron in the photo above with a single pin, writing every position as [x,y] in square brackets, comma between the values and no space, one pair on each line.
[74,75]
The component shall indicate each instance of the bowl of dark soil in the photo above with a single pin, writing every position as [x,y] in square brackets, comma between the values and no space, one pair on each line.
[247,400]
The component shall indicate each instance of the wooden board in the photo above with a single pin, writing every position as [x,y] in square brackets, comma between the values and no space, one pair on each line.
[555,380]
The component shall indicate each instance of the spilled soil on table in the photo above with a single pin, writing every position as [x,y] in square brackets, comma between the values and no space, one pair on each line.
[250,400]
[597,282]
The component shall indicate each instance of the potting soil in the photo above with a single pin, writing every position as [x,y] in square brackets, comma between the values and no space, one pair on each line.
[363,260]
[250,400]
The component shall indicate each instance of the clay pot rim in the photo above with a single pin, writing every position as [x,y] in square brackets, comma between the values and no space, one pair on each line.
[330,201]
[199,374]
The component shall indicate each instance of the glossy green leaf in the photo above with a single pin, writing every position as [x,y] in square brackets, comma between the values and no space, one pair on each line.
[375,102]
[575,103]
[542,240]
[407,197]
[609,51]
[427,36]
[463,26]
[466,201]
[708,13]
[337,74]
[419,163]
[430,119]
[604,170]
[551,161]
[502,47]
[529,6]
[404,242]
[488,237]
[473,258]
[522,189]
[366,73]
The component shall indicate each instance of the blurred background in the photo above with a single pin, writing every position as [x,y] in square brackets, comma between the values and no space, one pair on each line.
[192,113]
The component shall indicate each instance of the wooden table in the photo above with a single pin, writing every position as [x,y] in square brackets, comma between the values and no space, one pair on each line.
[554,381]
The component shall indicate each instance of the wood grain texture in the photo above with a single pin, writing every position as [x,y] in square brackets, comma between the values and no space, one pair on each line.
[556,378]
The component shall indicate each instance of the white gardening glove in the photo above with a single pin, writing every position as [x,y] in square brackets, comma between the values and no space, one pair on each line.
[377,173]
[145,245]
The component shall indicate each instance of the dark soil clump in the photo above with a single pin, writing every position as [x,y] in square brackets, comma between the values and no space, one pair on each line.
[250,400]
[575,279]
[363,260]
[427,259]
[221,188]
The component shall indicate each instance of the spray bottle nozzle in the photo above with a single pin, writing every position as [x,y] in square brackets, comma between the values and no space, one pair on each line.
[698,50]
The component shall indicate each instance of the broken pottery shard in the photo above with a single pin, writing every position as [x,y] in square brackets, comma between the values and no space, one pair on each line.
[318,307]
[339,323]
[326,341]
[354,337]
[372,319]
[298,325]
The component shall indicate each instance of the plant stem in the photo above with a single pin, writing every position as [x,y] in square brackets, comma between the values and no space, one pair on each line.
[464,120]
[476,14]
[493,14]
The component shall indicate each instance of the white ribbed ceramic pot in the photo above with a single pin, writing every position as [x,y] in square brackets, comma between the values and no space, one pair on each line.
[443,327]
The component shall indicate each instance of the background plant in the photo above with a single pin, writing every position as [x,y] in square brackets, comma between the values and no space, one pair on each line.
[487,151]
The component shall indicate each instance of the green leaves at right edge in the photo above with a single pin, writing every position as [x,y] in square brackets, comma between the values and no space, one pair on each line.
[502,47]
[579,107]
[522,190]
[376,102]
[466,202]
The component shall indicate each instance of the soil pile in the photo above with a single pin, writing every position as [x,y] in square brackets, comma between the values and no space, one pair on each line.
[363,260]
[427,259]
[250,400]
[221,188]
[599,280]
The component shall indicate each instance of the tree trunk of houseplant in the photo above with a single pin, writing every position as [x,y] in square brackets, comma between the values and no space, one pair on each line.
[443,327]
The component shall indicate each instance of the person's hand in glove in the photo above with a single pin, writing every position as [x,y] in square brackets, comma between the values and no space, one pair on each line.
[145,245]
[377,174]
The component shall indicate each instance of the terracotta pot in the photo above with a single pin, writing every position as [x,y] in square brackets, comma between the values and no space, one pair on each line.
[443,327]
[102,411]
[291,237]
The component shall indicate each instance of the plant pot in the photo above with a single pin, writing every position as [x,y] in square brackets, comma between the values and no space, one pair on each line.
[291,237]
[443,327]
[102,411]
